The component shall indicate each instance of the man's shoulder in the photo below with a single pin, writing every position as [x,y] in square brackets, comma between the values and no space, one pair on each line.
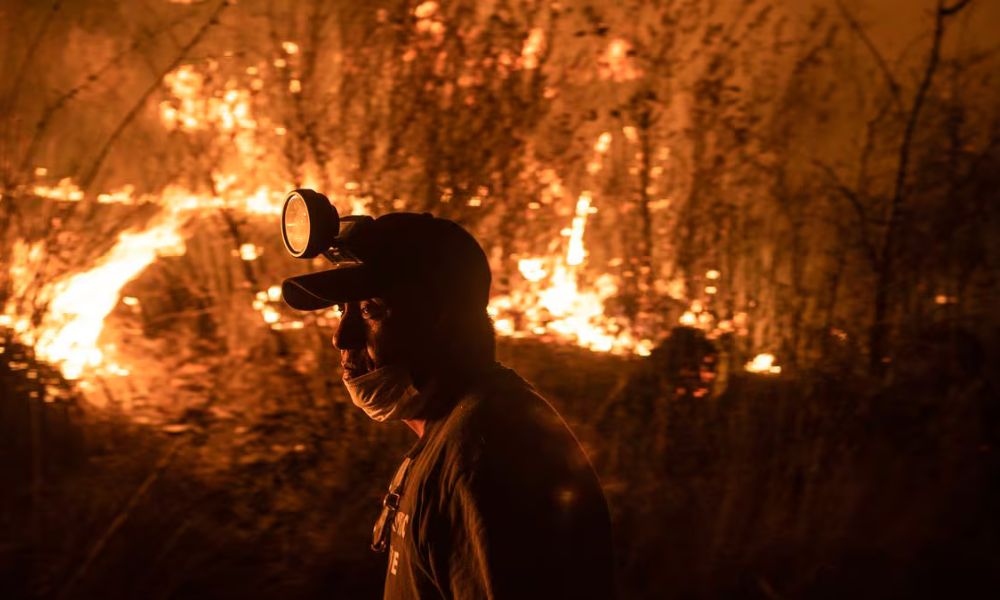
[504,421]
[506,473]
[498,400]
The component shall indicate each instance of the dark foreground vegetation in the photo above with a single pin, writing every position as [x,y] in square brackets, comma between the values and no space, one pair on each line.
[809,485]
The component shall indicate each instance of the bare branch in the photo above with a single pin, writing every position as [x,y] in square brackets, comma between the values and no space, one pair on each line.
[88,179]
[854,200]
[11,102]
[947,11]
[884,268]
[94,76]
[899,192]
[120,518]
[890,79]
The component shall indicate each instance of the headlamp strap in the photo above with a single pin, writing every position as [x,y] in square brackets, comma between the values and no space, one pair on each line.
[390,506]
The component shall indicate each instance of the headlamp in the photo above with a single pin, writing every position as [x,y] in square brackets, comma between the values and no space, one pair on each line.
[310,226]
[309,223]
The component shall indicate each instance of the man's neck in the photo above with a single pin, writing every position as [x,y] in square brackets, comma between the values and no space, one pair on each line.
[427,380]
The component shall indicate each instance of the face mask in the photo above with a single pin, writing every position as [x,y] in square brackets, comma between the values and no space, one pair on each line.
[386,394]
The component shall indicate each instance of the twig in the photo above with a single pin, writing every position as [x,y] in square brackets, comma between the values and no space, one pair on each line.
[306,129]
[902,170]
[884,268]
[120,519]
[859,208]
[947,11]
[11,103]
[52,109]
[861,183]
[250,277]
[88,179]
[890,79]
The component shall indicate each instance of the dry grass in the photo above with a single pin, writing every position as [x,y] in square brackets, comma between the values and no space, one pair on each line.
[798,487]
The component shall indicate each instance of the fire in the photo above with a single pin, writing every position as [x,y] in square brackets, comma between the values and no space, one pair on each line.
[616,62]
[65,190]
[557,296]
[576,252]
[532,269]
[703,313]
[68,333]
[425,10]
[552,303]
[763,363]
[249,251]
[534,45]
[193,109]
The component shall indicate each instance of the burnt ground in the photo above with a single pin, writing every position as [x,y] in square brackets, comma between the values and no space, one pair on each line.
[810,485]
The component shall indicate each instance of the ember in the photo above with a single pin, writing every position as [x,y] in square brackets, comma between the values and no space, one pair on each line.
[763,363]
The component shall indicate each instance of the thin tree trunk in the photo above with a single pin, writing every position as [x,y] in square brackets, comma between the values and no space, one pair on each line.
[881,328]
[646,258]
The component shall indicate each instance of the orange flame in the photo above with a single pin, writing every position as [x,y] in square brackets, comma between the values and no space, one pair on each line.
[764,364]
[556,297]
[552,303]
[68,332]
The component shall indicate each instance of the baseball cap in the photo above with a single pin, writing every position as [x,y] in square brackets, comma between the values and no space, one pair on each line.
[398,255]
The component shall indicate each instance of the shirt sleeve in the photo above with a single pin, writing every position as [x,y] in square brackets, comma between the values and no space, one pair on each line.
[470,568]
[480,552]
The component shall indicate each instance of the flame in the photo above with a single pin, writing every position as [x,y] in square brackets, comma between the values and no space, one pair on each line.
[553,303]
[123,195]
[534,45]
[555,297]
[68,333]
[763,363]
[249,251]
[603,143]
[576,252]
[65,190]
[425,10]
[616,62]
[194,109]
[532,269]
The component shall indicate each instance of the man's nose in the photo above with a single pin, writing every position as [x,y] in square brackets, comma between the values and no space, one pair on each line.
[350,333]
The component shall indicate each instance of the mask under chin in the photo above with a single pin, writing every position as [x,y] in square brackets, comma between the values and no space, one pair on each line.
[386,394]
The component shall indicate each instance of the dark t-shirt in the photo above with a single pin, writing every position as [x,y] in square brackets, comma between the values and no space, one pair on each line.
[500,501]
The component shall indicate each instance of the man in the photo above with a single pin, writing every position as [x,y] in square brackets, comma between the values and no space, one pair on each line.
[496,499]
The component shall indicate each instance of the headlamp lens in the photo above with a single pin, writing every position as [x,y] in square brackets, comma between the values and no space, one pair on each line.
[296,222]
[309,223]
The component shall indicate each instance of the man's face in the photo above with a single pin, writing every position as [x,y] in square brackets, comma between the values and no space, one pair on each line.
[368,337]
